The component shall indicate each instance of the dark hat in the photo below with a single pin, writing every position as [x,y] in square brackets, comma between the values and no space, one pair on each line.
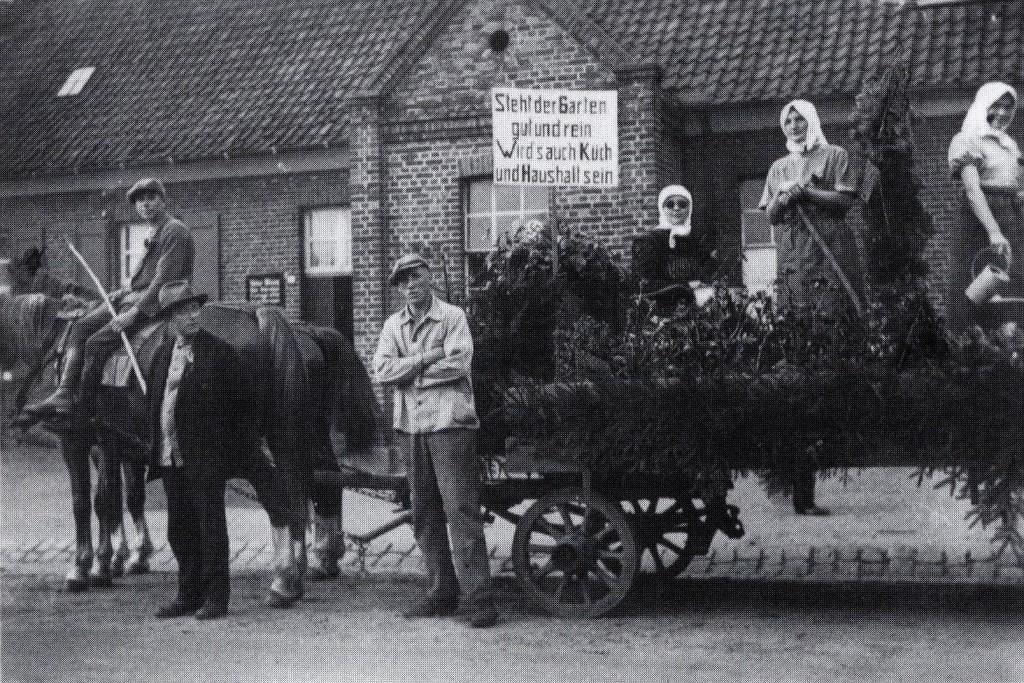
[176,294]
[146,185]
[406,263]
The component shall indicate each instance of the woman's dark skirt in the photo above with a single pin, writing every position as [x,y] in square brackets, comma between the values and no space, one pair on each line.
[970,238]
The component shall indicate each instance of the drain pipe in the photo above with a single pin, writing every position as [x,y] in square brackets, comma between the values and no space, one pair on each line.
[383,208]
[385,212]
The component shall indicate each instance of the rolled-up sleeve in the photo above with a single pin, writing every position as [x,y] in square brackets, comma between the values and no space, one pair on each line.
[847,174]
[389,365]
[458,354]
[769,189]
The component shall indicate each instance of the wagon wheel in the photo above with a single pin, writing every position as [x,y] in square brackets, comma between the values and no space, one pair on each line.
[575,553]
[670,532]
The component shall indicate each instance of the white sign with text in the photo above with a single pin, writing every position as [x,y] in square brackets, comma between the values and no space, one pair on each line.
[555,137]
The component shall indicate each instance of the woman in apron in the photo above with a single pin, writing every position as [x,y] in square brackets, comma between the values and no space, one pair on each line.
[817,179]
[988,164]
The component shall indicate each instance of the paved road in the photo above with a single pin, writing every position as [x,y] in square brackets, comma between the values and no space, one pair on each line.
[755,610]
[884,527]
[703,631]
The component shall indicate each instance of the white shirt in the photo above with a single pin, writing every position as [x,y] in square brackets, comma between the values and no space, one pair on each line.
[181,358]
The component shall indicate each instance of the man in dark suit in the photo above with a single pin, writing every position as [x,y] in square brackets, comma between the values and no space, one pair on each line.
[198,443]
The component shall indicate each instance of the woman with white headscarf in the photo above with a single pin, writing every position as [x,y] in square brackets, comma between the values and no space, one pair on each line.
[988,163]
[818,178]
[674,254]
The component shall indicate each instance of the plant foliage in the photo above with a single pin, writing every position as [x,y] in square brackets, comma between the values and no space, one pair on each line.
[736,384]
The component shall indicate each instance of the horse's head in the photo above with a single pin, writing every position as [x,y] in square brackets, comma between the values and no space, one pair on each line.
[21,271]
[26,326]
[29,274]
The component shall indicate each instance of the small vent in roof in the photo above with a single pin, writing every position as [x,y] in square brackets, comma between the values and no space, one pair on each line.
[76,81]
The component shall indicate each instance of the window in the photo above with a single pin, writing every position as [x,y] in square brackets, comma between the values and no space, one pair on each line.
[759,254]
[328,241]
[326,291]
[494,213]
[6,284]
[76,81]
[133,248]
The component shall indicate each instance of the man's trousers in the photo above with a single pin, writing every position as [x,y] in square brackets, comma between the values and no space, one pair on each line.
[197,531]
[444,480]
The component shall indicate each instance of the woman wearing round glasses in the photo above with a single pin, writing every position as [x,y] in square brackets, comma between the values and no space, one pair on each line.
[988,164]
[674,257]
[816,180]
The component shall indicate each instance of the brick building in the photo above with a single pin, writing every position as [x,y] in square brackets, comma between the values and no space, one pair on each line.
[310,143]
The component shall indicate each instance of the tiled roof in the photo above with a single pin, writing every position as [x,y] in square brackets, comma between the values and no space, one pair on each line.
[192,79]
[730,51]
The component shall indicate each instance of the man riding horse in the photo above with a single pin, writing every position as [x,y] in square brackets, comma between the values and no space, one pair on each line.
[276,371]
[170,252]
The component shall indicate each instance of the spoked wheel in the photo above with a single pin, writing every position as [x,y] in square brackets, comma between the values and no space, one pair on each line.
[670,532]
[575,553]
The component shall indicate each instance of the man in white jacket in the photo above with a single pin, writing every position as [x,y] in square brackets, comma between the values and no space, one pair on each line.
[425,354]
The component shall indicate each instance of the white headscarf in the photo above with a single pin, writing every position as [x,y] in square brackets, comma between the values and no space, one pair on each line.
[814,135]
[664,223]
[976,122]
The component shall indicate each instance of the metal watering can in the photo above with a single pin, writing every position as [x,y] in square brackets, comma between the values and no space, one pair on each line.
[989,280]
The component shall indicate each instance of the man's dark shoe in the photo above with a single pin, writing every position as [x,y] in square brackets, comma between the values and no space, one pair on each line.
[483,615]
[211,610]
[432,606]
[175,609]
[62,401]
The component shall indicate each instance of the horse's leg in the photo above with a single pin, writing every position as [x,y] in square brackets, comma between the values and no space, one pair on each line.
[109,512]
[75,451]
[118,533]
[328,537]
[135,499]
[287,529]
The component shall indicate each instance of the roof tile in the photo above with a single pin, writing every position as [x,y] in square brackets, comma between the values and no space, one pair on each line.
[240,77]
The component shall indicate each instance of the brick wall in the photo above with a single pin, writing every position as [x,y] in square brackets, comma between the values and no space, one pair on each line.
[258,221]
[941,196]
[438,122]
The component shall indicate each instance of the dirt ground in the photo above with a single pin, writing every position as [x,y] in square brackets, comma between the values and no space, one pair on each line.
[348,631]
[690,630]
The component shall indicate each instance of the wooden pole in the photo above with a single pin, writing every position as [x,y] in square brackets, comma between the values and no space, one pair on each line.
[845,281]
[110,307]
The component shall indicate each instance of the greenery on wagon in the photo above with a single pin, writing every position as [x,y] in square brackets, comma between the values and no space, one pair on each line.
[571,360]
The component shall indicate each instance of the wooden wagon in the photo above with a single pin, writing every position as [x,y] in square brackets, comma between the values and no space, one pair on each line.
[584,533]
[582,539]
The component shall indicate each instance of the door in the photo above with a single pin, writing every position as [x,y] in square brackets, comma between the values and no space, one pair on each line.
[327,297]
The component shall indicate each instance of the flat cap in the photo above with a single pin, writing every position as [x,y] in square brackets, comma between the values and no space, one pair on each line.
[147,185]
[406,263]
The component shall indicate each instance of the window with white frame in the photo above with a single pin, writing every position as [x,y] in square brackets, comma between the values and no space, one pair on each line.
[133,248]
[760,259]
[76,81]
[494,213]
[328,241]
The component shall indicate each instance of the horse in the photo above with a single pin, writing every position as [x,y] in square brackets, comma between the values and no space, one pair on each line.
[307,390]
[30,328]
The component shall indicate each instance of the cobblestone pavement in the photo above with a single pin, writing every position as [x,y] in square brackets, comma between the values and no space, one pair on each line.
[852,564]
[884,528]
